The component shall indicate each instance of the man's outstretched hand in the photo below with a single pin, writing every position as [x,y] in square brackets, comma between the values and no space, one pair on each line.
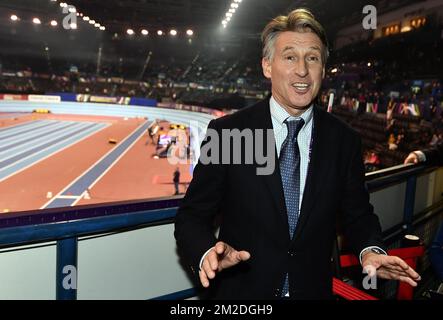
[221,256]
[391,268]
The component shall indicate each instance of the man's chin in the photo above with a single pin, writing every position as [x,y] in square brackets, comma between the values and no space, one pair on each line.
[301,106]
[296,110]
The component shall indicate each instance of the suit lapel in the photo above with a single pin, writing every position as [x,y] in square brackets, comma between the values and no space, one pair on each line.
[273,181]
[316,168]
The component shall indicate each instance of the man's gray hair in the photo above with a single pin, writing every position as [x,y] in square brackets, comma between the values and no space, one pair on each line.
[298,20]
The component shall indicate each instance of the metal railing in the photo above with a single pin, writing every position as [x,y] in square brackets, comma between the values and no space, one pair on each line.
[66,225]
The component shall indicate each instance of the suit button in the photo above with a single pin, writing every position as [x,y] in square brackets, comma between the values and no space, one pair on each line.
[291,253]
[277,293]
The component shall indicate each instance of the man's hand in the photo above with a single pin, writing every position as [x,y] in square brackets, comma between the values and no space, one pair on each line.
[411,158]
[390,267]
[222,256]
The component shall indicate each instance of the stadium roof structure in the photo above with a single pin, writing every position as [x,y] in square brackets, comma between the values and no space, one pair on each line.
[202,16]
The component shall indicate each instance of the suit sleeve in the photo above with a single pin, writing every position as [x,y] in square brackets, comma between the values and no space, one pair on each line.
[361,226]
[194,223]
[434,156]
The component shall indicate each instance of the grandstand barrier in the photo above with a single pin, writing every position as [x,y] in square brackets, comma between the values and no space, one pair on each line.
[73,97]
[126,250]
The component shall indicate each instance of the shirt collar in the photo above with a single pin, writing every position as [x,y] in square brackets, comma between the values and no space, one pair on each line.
[279,114]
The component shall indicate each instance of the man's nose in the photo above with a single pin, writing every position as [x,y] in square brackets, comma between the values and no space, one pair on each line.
[301,68]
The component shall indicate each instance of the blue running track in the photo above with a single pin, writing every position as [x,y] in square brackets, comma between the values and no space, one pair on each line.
[74,192]
[26,144]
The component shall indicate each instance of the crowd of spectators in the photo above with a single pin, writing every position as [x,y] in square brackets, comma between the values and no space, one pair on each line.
[393,97]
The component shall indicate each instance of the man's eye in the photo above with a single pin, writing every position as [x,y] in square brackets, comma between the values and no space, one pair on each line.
[313,58]
[290,58]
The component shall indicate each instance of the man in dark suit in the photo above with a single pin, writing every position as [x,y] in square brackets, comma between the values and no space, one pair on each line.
[277,230]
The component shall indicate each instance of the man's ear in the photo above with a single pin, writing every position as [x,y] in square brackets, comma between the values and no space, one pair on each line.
[266,66]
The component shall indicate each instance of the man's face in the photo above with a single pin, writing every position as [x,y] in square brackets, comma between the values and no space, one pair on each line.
[296,70]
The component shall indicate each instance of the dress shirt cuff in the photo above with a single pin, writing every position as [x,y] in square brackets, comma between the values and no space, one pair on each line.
[203,257]
[420,155]
[374,249]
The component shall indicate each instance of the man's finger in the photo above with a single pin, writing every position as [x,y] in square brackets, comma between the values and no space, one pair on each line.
[395,261]
[206,267]
[244,255]
[395,268]
[213,260]
[238,256]
[385,274]
[395,271]
[220,247]
[203,279]
[411,272]
[408,280]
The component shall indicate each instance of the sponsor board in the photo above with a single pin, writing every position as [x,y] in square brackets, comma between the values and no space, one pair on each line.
[44,99]
[14,97]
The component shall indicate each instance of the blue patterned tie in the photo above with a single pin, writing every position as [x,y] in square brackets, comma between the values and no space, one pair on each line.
[290,174]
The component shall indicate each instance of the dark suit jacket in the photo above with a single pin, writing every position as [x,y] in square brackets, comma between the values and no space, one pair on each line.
[434,155]
[253,213]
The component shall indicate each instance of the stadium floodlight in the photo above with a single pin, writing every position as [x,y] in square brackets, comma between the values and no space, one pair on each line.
[54,23]
[14,17]
[97,25]
[228,19]
[72,9]
[63,4]
[232,10]
[91,21]
[228,14]
[36,21]
[189,32]
[224,22]
[86,18]
[130,32]
[173,32]
[73,26]
[237,1]
[102,28]
[160,33]
[234,5]
[145,32]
